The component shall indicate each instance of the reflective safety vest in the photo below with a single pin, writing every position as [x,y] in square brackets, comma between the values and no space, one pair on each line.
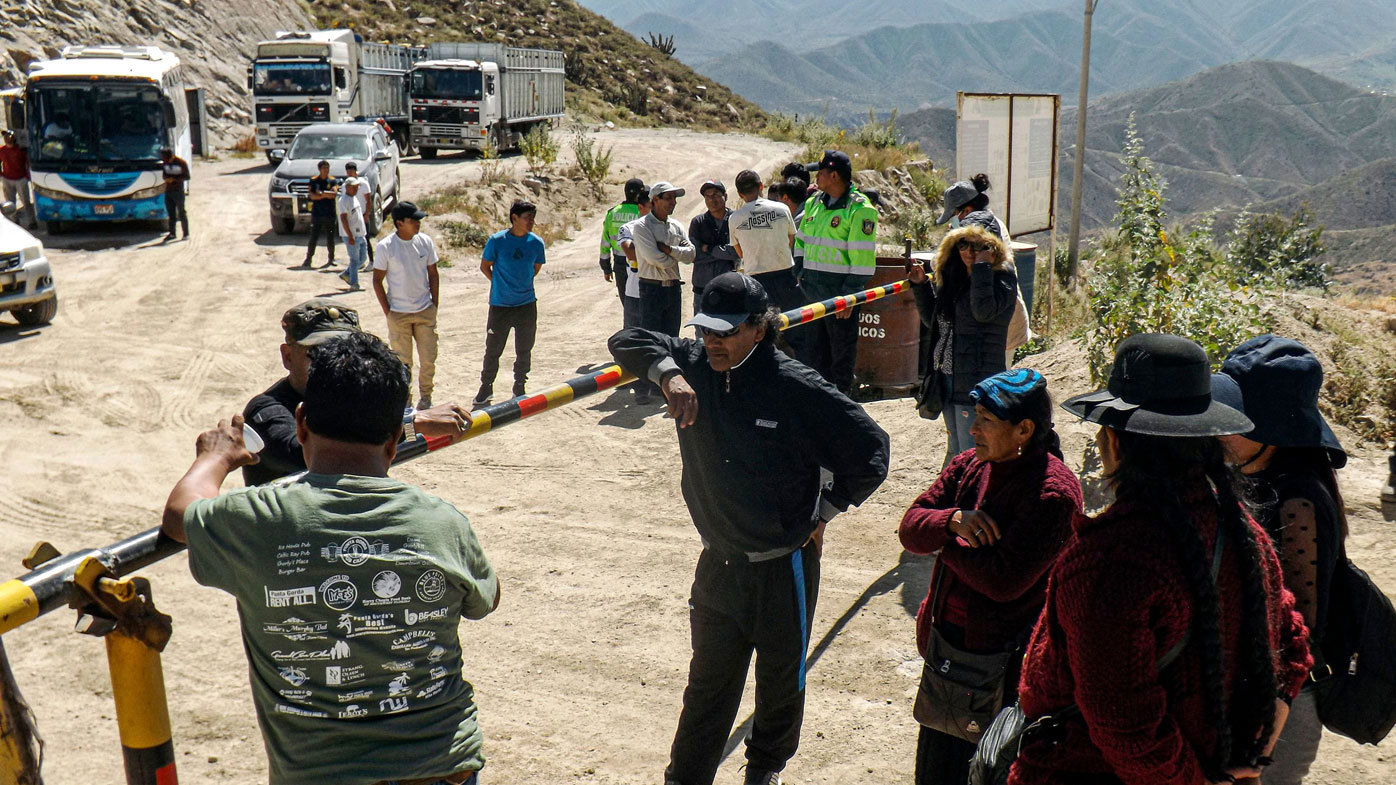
[616,217]
[838,238]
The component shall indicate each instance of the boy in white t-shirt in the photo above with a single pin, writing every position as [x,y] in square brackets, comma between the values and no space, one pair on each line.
[406,262]
[763,233]
[349,209]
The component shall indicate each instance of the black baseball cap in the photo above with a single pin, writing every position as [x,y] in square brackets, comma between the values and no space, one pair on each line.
[703,189]
[837,161]
[404,210]
[728,300]
[633,188]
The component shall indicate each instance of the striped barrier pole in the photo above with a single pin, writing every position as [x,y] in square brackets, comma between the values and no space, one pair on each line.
[49,585]
[808,313]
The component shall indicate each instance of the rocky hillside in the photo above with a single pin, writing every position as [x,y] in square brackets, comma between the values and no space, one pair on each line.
[611,75]
[215,40]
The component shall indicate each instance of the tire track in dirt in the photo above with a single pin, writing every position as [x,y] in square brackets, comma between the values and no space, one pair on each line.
[180,406]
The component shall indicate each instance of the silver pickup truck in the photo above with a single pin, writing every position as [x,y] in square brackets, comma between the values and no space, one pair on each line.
[26,281]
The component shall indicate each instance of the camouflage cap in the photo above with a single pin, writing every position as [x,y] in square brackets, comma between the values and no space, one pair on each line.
[316,321]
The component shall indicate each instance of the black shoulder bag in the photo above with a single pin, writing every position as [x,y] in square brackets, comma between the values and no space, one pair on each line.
[1010,730]
[1358,699]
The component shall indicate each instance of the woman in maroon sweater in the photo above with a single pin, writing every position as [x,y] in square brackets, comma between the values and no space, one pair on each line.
[1137,580]
[996,517]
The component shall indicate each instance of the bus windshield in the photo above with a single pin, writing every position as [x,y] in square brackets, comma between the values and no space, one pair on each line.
[446,83]
[290,79]
[96,122]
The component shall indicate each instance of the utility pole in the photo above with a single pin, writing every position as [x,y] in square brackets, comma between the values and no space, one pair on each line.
[1079,164]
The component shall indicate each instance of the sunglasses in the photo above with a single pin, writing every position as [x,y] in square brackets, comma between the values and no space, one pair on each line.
[702,331]
[967,245]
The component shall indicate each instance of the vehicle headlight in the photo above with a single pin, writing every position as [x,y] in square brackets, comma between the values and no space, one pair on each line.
[146,193]
[32,253]
[49,193]
[280,183]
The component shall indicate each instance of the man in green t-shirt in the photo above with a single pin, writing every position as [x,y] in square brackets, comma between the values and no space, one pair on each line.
[349,585]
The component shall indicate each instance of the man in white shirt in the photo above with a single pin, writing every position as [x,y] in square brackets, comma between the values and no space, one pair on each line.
[660,246]
[763,232]
[350,209]
[351,169]
[644,389]
[406,261]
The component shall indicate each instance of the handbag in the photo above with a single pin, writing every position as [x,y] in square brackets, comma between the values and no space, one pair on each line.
[961,692]
[1358,699]
[1005,737]
[929,403]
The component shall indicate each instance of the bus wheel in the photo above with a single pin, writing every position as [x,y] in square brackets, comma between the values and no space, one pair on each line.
[427,153]
[53,227]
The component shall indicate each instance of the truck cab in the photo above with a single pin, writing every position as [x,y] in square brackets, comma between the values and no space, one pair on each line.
[299,79]
[455,104]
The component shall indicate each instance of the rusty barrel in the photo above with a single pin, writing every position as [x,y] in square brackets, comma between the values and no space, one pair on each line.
[889,334]
[1025,264]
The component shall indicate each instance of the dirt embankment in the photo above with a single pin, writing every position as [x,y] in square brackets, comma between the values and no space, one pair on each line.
[579,673]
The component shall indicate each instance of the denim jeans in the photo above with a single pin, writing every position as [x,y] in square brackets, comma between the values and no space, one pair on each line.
[958,419]
[358,252]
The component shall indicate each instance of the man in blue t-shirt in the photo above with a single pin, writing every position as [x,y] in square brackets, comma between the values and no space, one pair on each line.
[511,259]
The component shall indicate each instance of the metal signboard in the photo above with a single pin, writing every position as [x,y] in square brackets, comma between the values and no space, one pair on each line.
[1012,138]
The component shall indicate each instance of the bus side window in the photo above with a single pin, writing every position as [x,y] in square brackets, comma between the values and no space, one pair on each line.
[339,79]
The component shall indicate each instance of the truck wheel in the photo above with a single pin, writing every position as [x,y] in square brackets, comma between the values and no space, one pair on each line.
[53,227]
[427,153]
[283,225]
[38,313]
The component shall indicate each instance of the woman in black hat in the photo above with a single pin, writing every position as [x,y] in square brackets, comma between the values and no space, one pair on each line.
[1169,648]
[1290,458]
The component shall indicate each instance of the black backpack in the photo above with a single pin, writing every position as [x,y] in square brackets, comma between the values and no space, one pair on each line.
[1358,699]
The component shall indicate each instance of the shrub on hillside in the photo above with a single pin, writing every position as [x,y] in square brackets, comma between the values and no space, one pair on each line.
[539,148]
[1144,282]
[593,160]
[1272,249]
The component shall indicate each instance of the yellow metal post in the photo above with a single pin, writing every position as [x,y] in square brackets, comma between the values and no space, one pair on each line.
[19,739]
[142,715]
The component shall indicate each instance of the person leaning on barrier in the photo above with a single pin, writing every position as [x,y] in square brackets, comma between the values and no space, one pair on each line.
[995,518]
[837,236]
[754,429]
[350,585]
[273,413]
[1169,649]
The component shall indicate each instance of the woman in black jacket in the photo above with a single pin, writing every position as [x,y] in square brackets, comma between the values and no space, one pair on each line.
[967,307]
[1290,459]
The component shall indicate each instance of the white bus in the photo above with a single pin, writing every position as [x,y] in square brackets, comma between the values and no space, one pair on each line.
[97,118]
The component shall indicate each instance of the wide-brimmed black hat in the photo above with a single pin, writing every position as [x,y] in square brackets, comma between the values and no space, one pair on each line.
[1160,385]
[1275,381]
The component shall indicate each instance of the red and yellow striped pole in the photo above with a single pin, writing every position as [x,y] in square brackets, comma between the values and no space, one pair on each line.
[808,313]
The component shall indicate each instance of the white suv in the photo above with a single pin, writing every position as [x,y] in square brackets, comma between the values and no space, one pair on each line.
[26,282]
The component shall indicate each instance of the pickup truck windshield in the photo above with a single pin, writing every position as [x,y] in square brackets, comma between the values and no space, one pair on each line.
[329,146]
[95,122]
[290,79]
[451,83]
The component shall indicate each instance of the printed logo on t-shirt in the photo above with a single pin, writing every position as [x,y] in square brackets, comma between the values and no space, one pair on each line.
[342,675]
[354,551]
[296,676]
[387,584]
[398,666]
[392,705]
[352,626]
[414,640]
[339,651]
[352,712]
[412,617]
[399,684]
[431,586]
[356,695]
[339,592]
[297,629]
[431,690]
[767,423]
[285,598]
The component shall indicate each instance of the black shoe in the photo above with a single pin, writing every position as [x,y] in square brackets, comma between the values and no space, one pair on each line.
[519,391]
[169,238]
[482,398]
[306,264]
[761,777]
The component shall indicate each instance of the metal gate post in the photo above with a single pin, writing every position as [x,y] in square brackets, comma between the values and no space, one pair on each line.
[122,612]
[142,716]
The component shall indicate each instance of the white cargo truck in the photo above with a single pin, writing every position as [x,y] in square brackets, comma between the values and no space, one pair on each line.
[466,96]
[327,76]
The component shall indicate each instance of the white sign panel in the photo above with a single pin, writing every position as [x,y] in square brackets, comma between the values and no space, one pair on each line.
[1011,138]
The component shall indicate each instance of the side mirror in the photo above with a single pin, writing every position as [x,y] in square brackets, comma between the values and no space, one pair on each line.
[8,210]
[276,156]
[249,79]
[382,155]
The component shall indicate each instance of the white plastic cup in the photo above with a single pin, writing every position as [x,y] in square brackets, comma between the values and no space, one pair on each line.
[251,440]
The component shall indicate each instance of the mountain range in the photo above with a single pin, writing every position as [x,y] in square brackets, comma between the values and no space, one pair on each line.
[924,52]
[1269,134]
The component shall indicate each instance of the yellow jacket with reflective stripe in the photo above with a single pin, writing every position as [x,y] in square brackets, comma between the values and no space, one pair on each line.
[616,217]
[838,238]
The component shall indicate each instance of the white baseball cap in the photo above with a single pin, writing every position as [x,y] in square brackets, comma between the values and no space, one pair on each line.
[664,187]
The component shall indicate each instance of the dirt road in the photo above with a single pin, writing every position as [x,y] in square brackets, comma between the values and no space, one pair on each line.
[579,673]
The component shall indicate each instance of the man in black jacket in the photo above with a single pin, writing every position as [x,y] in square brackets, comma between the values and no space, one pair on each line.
[711,239]
[755,427]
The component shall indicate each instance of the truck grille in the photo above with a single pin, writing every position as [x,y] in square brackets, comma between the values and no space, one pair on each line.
[456,115]
[10,261]
[298,113]
[300,187]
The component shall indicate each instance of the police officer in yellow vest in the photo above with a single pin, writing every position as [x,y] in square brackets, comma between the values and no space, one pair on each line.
[613,263]
[837,236]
